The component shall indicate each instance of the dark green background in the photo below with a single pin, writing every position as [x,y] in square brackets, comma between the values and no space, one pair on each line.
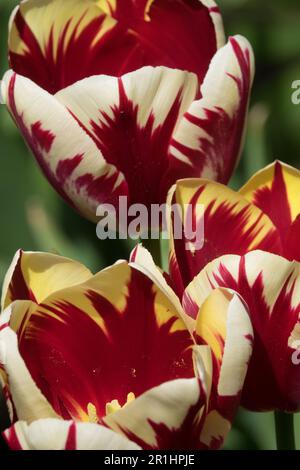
[33,217]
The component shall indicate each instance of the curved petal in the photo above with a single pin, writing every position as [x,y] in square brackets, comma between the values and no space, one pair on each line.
[275,190]
[166,417]
[96,343]
[29,402]
[34,276]
[208,141]
[54,434]
[8,415]
[67,156]
[131,120]
[270,286]
[222,222]
[142,260]
[223,324]
[48,40]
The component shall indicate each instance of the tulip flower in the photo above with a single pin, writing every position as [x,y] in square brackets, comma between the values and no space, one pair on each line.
[111,361]
[122,98]
[263,215]
[251,246]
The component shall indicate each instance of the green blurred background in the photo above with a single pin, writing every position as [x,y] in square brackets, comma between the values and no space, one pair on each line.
[33,217]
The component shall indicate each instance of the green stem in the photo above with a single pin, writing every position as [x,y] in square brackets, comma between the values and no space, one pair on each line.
[153,246]
[285,433]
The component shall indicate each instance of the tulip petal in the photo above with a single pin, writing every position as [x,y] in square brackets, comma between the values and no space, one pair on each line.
[208,141]
[142,260]
[275,190]
[166,417]
[223,323]
[26,397]
[54,434]
[48,40]
[67,156]
[270,287]
[100,341]
[34,276]
[225,220]
[145,105]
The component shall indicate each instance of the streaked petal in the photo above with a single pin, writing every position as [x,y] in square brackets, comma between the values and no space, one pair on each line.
[102,340]
[10,413]
[196,29]
[275,190]
[67,156]
[48,40]
[29,402]
[167,417]
[208,141]
[230,224]
[34,276]
[270,286]
[223,324]
[54,434]
[131,119]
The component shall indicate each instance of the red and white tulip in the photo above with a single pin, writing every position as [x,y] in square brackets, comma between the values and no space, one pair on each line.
[111,361]
[123,98]
[251,247]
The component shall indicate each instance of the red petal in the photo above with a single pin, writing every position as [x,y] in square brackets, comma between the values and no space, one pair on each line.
[183,34]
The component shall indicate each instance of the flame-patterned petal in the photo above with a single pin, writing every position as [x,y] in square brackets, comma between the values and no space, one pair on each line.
[131,120]
[152,422]
[223,323]
[232,225]
[69,159]
[111,360]
[270,287]
[208,140]
[275,190]
[55,434]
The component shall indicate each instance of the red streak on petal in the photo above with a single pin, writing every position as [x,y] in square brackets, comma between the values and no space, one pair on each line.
[214,9]
[103,365]
[221,149]
[274,202]
[38,140]
[65,168]
[71,443]
[43,137]
[292,245]
[270,365]
[102,189]
[133,255]
[185,437]
[12,439]
[140,153]
[18,288]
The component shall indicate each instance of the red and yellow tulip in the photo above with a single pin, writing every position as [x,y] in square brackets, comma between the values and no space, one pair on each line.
[122,98]
[111,361]
[251,247]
